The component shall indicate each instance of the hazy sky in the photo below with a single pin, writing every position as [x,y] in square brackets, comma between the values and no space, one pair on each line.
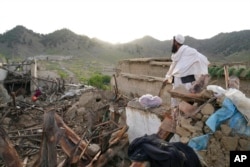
[125,20]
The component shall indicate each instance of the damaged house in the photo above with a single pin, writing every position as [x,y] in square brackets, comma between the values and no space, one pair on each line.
[74,124]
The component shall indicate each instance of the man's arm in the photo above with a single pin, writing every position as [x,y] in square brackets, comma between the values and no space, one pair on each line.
[169,74]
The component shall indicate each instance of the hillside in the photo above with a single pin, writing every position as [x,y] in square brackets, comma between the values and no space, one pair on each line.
[21,42]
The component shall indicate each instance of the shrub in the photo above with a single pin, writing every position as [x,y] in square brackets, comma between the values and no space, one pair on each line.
[62,74]
[239,71]
[248,74]
[231,71]
[220,72]
[100,81]
[213,71]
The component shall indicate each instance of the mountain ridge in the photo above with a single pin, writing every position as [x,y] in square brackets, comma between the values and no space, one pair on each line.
[22,42]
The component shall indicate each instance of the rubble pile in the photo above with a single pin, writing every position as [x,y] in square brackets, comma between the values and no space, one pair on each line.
[72,125]
[192,127]
[64,124]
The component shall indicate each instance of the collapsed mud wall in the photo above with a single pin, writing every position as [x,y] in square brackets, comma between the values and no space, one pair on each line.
[136,77]
[140,76]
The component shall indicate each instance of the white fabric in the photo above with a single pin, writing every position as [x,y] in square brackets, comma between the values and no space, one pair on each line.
[188,61]
[241,102]
[217,90]
[178,83]
[239,99]
[179,38]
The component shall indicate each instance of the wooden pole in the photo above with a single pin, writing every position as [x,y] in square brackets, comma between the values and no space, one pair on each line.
[226,75]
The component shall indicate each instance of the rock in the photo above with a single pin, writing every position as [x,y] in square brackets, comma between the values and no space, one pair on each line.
[244,145]
[185,123]
[225,129]
[208,109]
[71,113]
[229,143]
[80,111]
[93,149]
[4,96]
[182,132]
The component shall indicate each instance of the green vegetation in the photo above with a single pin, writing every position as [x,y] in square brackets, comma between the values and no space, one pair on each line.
[62,74]
[213,71]
[231,71]
[238,72]
[21,42]
[92,57]
[2,59]
[86,72]
[52,66]
[218,71]
[248,74]
[100,81]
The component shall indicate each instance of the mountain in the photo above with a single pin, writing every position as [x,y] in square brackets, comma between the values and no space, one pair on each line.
[22,42]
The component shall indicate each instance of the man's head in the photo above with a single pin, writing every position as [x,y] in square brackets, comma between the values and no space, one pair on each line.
[178,40]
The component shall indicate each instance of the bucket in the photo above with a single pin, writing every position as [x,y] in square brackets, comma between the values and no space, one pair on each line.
[3,74]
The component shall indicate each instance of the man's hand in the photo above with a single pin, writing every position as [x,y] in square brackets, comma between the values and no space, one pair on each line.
[167,79]
[167,76]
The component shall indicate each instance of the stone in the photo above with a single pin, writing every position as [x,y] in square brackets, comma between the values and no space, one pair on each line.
[229,143]
[225,129]
[208,109]
[182,132]
[244,145]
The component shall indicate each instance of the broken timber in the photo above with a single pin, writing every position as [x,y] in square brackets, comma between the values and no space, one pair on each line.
[7,151]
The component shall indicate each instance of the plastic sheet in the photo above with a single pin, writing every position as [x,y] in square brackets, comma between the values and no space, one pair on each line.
[238,124]
[226,111]
[200,142]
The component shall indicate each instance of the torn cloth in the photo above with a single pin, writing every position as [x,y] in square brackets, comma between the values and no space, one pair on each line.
[161,153]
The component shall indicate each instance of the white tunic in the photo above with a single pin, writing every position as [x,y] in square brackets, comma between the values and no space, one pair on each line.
[188,61]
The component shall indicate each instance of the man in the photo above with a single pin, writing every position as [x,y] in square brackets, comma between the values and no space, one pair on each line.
[187,66]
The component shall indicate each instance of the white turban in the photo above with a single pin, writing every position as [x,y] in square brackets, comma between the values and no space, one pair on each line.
[179,38]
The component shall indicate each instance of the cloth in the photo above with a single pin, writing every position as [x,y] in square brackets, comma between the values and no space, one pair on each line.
[150,101]
[217,90]
[200,142]
[241,102]
[229,113]
[38,93]
[188,61]
[226,111]
[238,124]
[178,83]
[238,98]
[161,153]
[179,38]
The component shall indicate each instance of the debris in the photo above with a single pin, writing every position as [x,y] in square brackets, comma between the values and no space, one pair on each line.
[7,151]
[67,124]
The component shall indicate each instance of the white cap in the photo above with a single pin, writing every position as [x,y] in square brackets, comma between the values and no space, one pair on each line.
[179,38]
